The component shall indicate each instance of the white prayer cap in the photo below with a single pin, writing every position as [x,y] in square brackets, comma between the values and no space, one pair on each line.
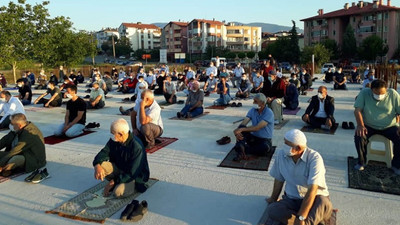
[296,137]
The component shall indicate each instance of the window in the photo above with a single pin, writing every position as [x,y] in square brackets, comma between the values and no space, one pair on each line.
[379,16]
[354,19]
[334,21]
[334,32]
[177,46]
[367,29]
[246,39]
[177,39]
[378,29]
[386,16]
[385,29]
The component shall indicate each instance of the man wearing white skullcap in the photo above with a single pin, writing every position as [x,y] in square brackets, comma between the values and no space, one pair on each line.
[306,197]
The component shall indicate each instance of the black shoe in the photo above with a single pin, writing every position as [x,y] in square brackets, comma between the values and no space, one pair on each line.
[97,124]
[225,140]
[345,125]
[126,99]
[87,91]
[122,111]
[91,125]
[139,212]
[181,102]
[239,104]
[129,209]
[87,96]
[33,174]
[140,187]
[179,115]
[233,104]
[351,126]
[41,176]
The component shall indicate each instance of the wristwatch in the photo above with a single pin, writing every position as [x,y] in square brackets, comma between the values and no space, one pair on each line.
[301,218]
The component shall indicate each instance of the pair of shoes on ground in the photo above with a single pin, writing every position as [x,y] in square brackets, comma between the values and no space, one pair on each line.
[234,104]
[180,102]
[223,141]
[87,96]
[182,116]
[38,176]
[92,125]
[348,126]
[134,211]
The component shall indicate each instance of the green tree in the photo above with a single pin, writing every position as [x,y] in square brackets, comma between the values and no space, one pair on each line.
[230,55]
[321,54]
[332,46]
[250,54]
[123,47]
[292,51]
[155,54]
[372,47]
[241,55]
[349,45]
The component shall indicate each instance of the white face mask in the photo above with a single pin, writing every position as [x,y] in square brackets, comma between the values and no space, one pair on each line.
[19,85]
[194,90]
[287,150]
[11,127]
[320,96]
[97,78]
[69,96]
[112,137]
[379,97]
[256,106]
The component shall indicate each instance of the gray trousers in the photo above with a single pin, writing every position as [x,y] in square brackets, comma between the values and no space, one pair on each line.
[148,134]
[285,209]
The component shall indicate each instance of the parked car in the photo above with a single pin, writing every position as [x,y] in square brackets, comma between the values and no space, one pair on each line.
[122,57]
[120,62]
[285,65]
[347,70]
[326,66]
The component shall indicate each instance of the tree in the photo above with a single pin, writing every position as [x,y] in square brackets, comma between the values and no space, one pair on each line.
[230,55]
[250,54]
[332,46]
[321,54]
[293,50]
[349,45]
[372,47]
[241,55]
[123,47]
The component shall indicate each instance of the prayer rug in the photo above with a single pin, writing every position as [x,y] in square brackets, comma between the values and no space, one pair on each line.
[16,174]
[126,102]
[164,142]
[238,121]
[320,130]
[280,125]
[221,107]
[375,177]
[35,109]
[92,206]
[310,89]
[253,163]
[164,104]
[290,111]
[265,220]
[189,119]
[52,140]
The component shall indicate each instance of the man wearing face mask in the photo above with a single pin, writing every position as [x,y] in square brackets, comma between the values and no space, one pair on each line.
[24,145]
[375,111]
[306,196]
[339,80]
[55,99]
[258,83]
[255,139]
[10,105]
[66,83]
[244,87]
[169,90]
[25,92]
[223,91]
[97,99]
[194,102]
[274,89]
[75,116]
[129,85]
[146,119]
[123,162]
[210,86]
[320,110]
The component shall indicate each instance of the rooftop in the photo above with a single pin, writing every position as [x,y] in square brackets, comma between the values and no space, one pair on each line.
[141,26]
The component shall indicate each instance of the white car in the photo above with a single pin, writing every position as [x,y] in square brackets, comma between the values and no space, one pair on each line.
[326,67]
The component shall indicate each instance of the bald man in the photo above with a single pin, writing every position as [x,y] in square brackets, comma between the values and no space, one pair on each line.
[146,119]
[306,196]
[123,162]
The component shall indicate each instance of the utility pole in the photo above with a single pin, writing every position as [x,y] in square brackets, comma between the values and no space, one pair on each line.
[113,44]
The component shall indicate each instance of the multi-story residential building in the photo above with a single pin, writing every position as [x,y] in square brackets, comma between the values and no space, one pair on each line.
[365,18]
[104,35]
[203,33]
[175,38]
[141,36]
[241,38]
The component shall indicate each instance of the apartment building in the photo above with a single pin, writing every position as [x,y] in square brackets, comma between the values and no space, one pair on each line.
[141,36]
[239,38]
[366,18]
[104,35]
[202,33]
[175,38]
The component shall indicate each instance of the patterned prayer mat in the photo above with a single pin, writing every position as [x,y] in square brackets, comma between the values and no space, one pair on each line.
[164,142]
[92,206]
[253,163]
[52,140]
[375,177]
[290,112]
[320,130]
[189,119]
[220,107]
[265,220]
[280,125]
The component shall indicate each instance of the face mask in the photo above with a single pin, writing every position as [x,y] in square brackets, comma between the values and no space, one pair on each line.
[19,85]
[294,78]
[112,137]
[48,87]
[2,99]
[11,128]
[320,96]
[379,97]
[194,90]
[97,78]
[256,106]
[66,82]
[244,78]
[69,96]
[287,150]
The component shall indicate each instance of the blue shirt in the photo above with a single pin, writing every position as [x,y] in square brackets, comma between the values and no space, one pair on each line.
[268,116]
[220,87]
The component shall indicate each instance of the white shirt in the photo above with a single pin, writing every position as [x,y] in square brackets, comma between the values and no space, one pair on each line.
[138,90]
[190,74]
[238,71]
[308,170]
[154,112]
[144,75]
[211,69]
[11,107]
[321,112]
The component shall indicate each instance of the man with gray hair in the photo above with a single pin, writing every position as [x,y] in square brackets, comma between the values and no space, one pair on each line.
[306,196]
[24,145]
[123,162]
[146,119]
[255,139]
[194,102]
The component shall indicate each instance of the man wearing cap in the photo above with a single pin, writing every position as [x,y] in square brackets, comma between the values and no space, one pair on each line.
[306,197]
[274,89]
[320,110]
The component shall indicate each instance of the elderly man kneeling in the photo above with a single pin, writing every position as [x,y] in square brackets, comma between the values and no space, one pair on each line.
[123,162]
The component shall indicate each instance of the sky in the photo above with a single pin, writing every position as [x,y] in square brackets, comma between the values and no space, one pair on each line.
[93,15]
